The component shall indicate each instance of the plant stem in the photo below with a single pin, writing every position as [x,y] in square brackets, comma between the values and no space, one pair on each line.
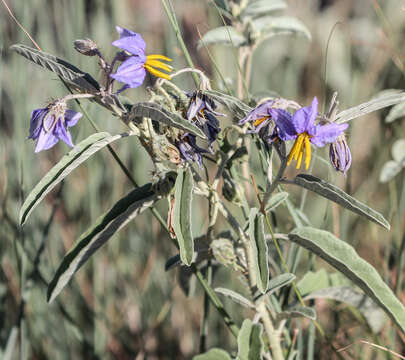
[173,21]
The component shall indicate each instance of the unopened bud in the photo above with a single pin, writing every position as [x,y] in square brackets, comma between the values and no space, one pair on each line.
[86,47]
[340,155]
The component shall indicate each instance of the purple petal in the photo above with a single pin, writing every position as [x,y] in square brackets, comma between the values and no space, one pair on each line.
[196,105]
[72,117]
[45,141]
[61,133]
[258,112]
[37,117]
[324,134]
[130,41]
[283,120]
[304,118]
[131,72]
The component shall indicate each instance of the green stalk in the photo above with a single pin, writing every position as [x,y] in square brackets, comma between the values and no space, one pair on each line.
[175,25]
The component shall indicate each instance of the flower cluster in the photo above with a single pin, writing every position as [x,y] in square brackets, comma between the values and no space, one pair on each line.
[302,128]
[201,112]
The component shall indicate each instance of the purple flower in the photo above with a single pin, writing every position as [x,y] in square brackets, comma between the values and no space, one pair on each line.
[340,156]
[189,150]
[260,116]
[301,127]
[202,113]
[132,71]
[49,125]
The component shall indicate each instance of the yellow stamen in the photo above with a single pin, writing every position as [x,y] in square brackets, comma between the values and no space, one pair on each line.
[157,57]
[158,64]
[292,152]
[300,159]
[300,146]
[157,72]
[307,152]
[259,121]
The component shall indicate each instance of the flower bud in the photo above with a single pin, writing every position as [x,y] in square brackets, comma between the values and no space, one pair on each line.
[340,155]
[86,47]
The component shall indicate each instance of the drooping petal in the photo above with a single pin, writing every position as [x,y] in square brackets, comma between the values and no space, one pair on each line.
[37,117]
[283,120]
[72,117]
[61,133]
[131,72]
[304,118]
[324,134]
[45,140]
[261,111]
[130,41]
[196,105]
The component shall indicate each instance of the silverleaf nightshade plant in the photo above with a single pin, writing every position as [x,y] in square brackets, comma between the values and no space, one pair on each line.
[183,128]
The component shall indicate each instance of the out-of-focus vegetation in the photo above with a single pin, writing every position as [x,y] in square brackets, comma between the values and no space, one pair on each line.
[122,304]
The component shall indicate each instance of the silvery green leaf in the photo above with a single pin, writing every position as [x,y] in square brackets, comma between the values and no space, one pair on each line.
[11,346]
[213,354]
[344,258]
[338,196]
[236,107]
[80,153]
[398,151]
[397,112]
[68,72]
[159,113]
[238,298]
[125,210]
[296,312]
[368,308]
[225,35]
[278,282]
[250,343]
[182,215]
[389,170]
[259,247]
[263,7]
[276,200]
[312,281]
[370,106]
[269,26]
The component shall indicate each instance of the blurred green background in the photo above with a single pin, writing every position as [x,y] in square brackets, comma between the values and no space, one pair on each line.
[122,304]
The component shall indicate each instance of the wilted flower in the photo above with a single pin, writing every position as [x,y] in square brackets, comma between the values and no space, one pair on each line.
[260,116]
[132,71]
[189,149]
[202,113]
[301,127]
[49,125]
[340,156]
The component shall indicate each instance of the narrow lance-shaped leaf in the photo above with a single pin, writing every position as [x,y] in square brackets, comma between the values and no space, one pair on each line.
[67,71]
[182,215]
[259,247]
[80,153]
[297,312]
[370,106]
[238,298]
[269,26]
[338,196]
[250,343]
[374,315]
[344,258]
[236,107]
[226,35]
[160,114]
[278,282]
[99,233]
